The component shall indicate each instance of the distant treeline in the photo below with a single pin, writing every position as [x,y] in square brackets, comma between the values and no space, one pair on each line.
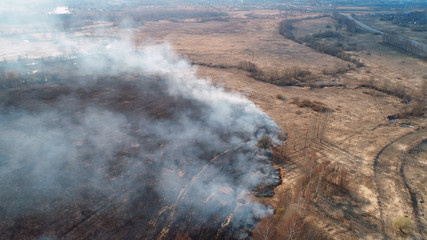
[416,17]
[138,16]
[286,26]
[11,79]
[408,45]
[395,40]
[352,25]
[133,17]
[385,4]
[316,41]
[22,72]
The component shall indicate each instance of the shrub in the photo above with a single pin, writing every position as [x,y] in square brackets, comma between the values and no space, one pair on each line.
[285,29]
[296,73]
[247,66]
[402,225]
[280,97]
[337,70]
[334,49]
[280,211]
[414,109]
[9,80]
[327,34]
[396,90]
[415,102]
[314,105]
[286,77]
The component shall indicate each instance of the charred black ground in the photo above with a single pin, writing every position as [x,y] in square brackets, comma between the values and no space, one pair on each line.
[115,159]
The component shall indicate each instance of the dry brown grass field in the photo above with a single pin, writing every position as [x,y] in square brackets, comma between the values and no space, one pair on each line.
[357,133]
[349,172]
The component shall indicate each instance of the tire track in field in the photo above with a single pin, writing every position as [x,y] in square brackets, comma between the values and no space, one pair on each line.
[393,196]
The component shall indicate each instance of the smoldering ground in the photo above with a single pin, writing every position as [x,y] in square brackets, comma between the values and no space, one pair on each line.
[131,145]
[126,143]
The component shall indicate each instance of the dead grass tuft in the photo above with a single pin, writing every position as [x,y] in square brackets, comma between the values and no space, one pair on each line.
[402,225]
[280,97]
[247,66]
[286,77]
[314,105]
[386,87]
[416,108]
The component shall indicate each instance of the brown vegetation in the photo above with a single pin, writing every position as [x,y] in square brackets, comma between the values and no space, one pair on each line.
[396,90]
[337,70]
[314,105]
[286,77]
[407,45]
[286,224]
[317,179]
[402,225]
[285,29]
[351,133]
[280,97]
[315,41]
[336,49]
[248,66]
[415,102]
[415,108]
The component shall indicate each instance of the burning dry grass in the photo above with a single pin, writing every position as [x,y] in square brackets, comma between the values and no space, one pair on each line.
[126,100]
[143,143]
[316,181]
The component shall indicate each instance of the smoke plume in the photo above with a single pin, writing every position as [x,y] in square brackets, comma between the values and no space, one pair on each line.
[130,143]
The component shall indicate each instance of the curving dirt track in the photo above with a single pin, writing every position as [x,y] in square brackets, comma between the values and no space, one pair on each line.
[413,169]
[395,194]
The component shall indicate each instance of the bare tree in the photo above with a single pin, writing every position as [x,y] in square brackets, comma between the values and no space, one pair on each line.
[265,230]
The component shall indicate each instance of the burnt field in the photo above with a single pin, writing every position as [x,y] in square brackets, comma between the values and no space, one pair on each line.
[142,153]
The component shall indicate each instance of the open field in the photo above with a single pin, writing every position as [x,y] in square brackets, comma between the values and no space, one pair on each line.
[408,31]
[367,138]
[359,123]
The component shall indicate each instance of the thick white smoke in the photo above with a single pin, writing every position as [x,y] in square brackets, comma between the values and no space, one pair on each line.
[133,137]
[203,154]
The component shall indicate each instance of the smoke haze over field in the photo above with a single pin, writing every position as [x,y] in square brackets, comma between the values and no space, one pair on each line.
[131,142]
[194,148]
